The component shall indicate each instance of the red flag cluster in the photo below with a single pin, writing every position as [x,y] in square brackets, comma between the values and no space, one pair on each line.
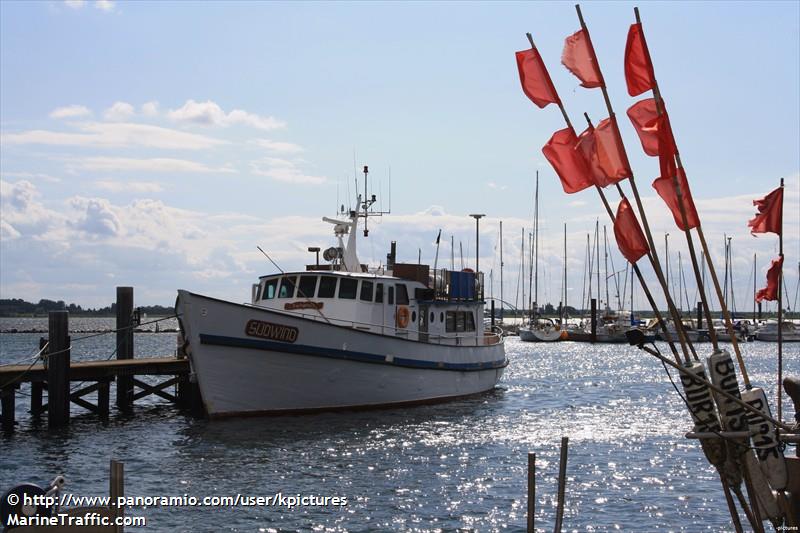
[578,56]
[770,292]
[665,187]
[639,74]
[536,82]
[568,163]
[769,218]
[630,238]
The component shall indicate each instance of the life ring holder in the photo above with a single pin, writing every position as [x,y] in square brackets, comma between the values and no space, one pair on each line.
[403,316]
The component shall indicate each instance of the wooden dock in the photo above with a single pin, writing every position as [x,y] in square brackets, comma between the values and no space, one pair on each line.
[57,373]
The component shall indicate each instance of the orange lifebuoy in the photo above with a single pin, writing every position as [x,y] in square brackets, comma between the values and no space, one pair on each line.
[403,316]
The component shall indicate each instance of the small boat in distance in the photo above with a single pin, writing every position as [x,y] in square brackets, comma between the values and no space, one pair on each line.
[337,336]
[769,332]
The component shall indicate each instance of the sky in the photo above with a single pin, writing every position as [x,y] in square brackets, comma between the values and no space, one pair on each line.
[157,144]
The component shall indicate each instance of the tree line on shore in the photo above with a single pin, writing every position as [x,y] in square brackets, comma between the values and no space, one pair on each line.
[16,307]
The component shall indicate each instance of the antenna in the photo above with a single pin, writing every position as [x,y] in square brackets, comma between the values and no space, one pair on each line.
[270,259]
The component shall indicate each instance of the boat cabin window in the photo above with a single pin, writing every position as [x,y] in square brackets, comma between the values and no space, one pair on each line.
[327,287]
[391,294]
[307,287]
[366,290]
[458,321]
[269,289]
[379,293]
[348,288]
[287,287]
[402,294]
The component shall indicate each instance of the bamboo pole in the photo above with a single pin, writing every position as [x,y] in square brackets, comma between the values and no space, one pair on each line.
[780,314]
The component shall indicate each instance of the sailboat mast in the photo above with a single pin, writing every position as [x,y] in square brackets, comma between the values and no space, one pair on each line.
[605,259]
[501,271]
[564,307]
[597,256]
[754,288]
[536,248]
[522,271]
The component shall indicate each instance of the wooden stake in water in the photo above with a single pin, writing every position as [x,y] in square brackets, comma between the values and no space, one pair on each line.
[531,490]
[562,480]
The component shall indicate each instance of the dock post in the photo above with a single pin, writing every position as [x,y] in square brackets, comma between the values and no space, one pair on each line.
[58,369]
[594,320]
[700,316]
[531,490]
[37,386]
[759,310]
[125,345]
[562,480]
[116,489]
[492,314]
[103,398]
[8,401]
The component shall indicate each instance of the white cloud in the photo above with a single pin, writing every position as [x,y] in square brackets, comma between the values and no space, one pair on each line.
[493,185]
[577,203]
[7,231]
[70,111]
[32,176]
[97,217]
[284,170]
[158,164]
[209,113]
[115,135]
[22,212]
[129,186]
[104,5]
[119,112]
[75,4]
[150,109]
[278,146]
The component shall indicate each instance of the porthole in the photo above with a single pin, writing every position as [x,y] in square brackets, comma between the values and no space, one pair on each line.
[414,316]
[433,316]
[441,316]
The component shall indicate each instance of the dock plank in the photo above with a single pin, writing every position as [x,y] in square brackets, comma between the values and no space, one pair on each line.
[94,370]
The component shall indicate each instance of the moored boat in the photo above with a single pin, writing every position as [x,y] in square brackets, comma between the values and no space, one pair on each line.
[337,336]
[769,332]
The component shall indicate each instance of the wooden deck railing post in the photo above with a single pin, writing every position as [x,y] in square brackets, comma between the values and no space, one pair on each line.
[58,369]
[125,345]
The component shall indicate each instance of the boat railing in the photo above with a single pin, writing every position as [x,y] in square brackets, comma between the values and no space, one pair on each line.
[489,337]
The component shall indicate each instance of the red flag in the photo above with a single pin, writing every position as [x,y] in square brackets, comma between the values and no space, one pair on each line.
[567,161]
[536,82]
[665,188]
[587,147]
[630,238]
[579,58]
[611,156]
[639,73]
[769,218]
[770,292]
[653,129]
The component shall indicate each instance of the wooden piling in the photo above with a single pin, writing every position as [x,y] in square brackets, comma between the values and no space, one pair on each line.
[125,345]
[700,315]
[531,490]
[594,320]
[562,481]
[58,361]
[37,387]
[116,489]
[8,396]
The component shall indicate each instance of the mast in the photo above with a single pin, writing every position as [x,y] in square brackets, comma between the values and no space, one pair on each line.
[780,312]
[754,288]
[564,313]
[597,255]
[452,253]
[536,248]
[522,272]
[605,253]
[501,271]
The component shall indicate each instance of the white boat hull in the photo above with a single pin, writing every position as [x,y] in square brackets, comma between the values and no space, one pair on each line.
[250,360]
[540,335]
